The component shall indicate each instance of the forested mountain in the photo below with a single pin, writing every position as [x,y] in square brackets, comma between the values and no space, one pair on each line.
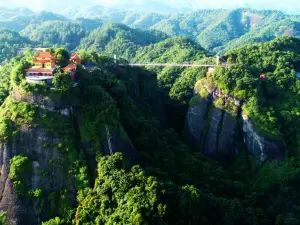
[57,140]
[215,30]
[284,27]
[154,145]
[260,88]
[6,13]
[10,42]
[212,29]
[172,50]
[120,40]
[89,24]
[59,33]
[20,21]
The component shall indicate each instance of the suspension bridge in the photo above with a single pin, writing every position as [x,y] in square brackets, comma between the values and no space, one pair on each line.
[218,62]
[169,65]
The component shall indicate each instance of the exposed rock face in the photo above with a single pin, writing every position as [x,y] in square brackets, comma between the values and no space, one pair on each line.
[211,138]
[214,135]
[211,130]
[262,148]
[43,102]
[227,143]
[195,123]
[214,131]
[50,164]
[45,175]
[115,143]
[8,198]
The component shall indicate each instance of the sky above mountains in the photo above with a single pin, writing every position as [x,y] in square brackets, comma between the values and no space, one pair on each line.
[291,6]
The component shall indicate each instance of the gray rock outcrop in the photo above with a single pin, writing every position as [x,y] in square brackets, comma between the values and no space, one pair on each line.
[195,124]
[261,147]
[214,131]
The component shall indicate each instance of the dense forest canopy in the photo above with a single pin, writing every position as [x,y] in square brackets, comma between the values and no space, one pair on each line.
[120,40]
[215,30]
[10,42]
[176,183]
[59,136]
[273,102]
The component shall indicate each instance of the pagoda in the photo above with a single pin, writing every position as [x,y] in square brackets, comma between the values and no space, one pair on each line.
[71,68]
[43,69]
[75,58]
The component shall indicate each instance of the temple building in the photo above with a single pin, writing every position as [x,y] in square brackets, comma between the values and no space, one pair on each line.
[72,69]
[75,58]
[43,69]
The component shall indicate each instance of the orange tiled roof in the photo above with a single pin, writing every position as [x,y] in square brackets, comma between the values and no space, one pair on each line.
[44,55]
[262,76]
[75,57]
[69,67]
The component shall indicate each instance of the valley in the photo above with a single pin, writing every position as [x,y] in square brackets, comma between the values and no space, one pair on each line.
[123,117]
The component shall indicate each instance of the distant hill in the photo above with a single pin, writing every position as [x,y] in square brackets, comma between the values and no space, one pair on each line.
[119,39]
[216,30]
[6,13]
[134,18]
[90,27]
[176,49]
[274,30]
[10,41]
[60,33]
[20,21]
[89,24]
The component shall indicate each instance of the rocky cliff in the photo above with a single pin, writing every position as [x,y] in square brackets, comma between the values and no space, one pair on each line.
[263,148]
[45,132]
[213,128]
[33,136]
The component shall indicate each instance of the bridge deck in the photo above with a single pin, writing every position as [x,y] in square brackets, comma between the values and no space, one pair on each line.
[170,65]
[173,65]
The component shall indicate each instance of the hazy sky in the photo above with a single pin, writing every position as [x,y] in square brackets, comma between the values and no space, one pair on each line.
[58,5]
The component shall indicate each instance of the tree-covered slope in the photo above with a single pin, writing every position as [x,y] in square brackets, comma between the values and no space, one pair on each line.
[58,168]
[171,50]
[264,76]
[6,13]
[274,30]
[120,40]
[10,41]
[89,24]
[60,33]
[20,21]
[214,28]
[134,18]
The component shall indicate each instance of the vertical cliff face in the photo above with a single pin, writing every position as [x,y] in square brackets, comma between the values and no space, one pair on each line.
[48,174]
[195,123]
[212,128]
[42,131]
[228,138]
[8,202]
[261,147]
[50,135]
[212,135]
